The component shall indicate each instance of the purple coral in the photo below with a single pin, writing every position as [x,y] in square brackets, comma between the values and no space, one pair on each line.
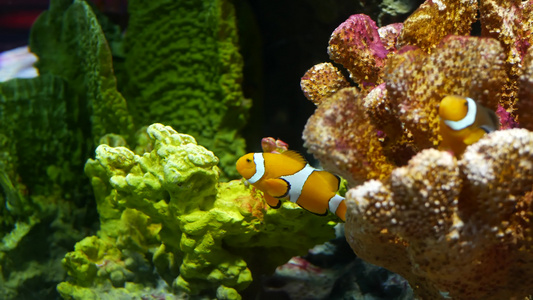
[356,45]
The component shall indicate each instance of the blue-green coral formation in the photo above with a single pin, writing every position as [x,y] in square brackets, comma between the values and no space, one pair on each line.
[164,210]
[184,69]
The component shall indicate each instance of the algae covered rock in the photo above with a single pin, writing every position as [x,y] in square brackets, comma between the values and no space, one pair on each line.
[168,223]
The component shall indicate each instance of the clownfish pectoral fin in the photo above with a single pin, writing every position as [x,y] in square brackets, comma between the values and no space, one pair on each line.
[277,187]
[474,136]
[272,202]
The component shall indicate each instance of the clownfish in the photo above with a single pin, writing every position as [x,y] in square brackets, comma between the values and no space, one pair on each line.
[463,122]
[287,175]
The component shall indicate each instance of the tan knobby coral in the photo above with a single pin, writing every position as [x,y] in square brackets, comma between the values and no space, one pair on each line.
[321,81]
[356,154]
[457,228]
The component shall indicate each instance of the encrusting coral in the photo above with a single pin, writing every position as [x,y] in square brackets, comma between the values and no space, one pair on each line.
[165,211]
[455,225]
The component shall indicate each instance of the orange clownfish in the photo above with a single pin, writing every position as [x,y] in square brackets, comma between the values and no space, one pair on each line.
[288,176]
[463,122]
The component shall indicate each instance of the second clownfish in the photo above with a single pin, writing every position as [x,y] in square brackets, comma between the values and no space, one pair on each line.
[289,176]
[463,122]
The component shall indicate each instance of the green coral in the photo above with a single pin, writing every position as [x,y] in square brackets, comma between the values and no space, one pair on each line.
[39,154]
[48,126]
[184,70]
[71,44]
[179,64]
[46,144]
[200,236]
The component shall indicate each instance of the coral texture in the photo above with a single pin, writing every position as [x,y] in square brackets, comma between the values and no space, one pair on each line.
[453,224]
[50,125]
[321,81]
[71,44]
[457,227]
[184,69]
[341,136]
[394,120]
[434,20]
[356,45]
[165,216]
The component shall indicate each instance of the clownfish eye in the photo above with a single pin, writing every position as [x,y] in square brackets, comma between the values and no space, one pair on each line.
[248,160]
[466,103]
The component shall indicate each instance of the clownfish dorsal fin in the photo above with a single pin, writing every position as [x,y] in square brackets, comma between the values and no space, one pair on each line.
[296,156]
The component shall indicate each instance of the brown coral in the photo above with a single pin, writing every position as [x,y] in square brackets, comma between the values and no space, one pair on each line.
[399,117]
[340,135]
[434,20]
[417,82]
[462,228]
[357,45]
[321,81]
[525,105]
[510,22]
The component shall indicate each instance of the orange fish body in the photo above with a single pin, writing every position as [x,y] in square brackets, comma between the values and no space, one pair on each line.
[463,122]
[288,176]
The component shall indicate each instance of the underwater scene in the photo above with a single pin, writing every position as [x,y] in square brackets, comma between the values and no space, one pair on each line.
[248,149]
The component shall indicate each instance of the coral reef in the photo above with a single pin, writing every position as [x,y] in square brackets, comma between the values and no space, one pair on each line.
[271,145]
[165,216]
[353,151]
[71,45]
[50,125]
[321,81]
[434,20]
[357,46]
[457,227]
[40,196]
[454,225]
[184,69]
